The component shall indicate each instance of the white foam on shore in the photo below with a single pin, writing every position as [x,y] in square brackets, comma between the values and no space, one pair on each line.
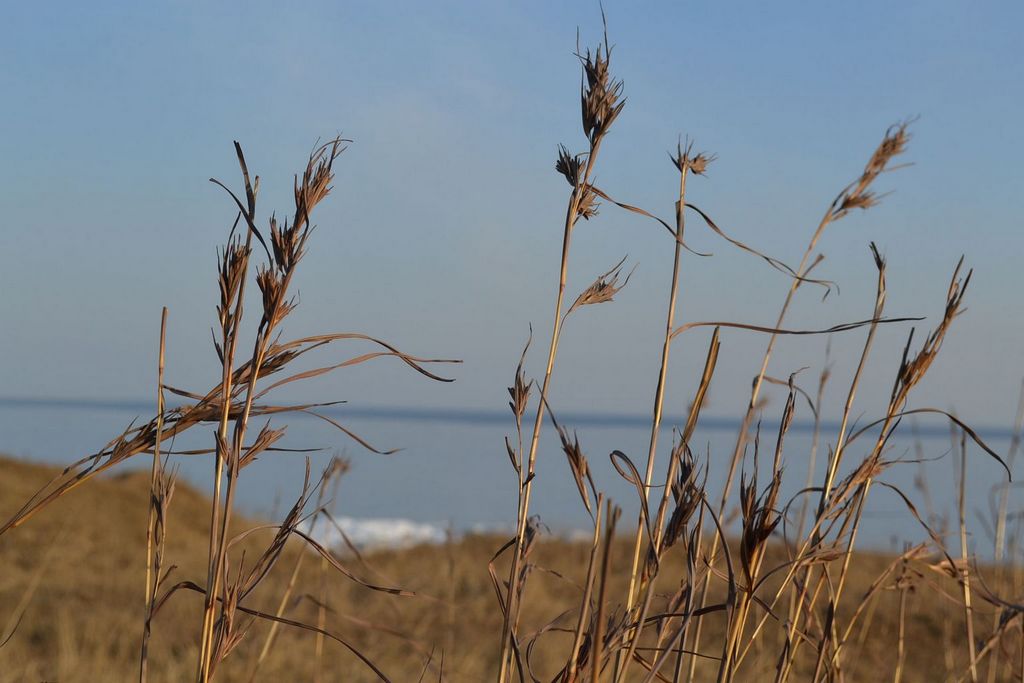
[378,533]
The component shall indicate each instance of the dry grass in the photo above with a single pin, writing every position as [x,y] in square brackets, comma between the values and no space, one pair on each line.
[122,579]
[83,623]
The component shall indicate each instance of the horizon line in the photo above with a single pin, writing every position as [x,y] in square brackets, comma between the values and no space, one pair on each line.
[592,418]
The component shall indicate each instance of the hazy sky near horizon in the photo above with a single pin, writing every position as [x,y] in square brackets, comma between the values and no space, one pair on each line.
[444,228]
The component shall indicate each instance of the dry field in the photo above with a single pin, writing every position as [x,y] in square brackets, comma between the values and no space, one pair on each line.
[80,566]
[119,577]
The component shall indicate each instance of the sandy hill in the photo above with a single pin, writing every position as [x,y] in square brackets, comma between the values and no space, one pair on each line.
[80,565]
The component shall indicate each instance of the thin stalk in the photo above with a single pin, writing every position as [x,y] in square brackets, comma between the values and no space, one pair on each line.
[571,216]
[588,591]
[796,600]
[911,371]
[755,392]
[806,545]
[730,599]
[677,672]
[321,616]
[710,363]
[833,465]
[292,581]
[901,642]
[524,505]
[965,574]
[856,515]
[241,426]
[659,392]
[275,283]
[229,344]
[815,436]
[730,663]
[606,563]
[154,478]
[833,630]
[321,623]
[854,195]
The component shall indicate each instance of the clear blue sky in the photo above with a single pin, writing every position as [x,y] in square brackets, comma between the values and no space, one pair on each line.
[444,228]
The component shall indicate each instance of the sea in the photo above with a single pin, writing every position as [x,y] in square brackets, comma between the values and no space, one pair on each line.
[452,473]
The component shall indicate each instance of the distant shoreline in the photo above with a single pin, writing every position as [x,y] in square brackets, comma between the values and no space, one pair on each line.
[935,426]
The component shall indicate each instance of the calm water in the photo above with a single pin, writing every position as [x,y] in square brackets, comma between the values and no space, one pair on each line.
[453,468]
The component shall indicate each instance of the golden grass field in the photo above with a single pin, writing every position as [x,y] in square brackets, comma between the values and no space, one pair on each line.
[82,562]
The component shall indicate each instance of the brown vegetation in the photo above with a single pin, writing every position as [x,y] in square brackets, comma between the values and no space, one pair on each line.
[703,585]
[81,621]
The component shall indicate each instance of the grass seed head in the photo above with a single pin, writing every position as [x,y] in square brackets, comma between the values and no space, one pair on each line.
[601,95]
[588,206]
[859,195]
[264,440]
[578,465]
[569,165]
[231,271]
[913,370]
[684,158]
[520,389]
[603,289]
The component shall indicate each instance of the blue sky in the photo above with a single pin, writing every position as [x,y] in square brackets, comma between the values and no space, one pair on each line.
[443,232]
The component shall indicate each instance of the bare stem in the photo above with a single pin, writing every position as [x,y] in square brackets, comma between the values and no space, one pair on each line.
[154,479]
[659,391]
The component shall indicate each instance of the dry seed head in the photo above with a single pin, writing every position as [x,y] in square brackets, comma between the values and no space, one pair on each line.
[587,206]
[520,389]
[520,393]
[603,289]
[272,285]
[600,94]
[272,288]
[577,464]
[289,240]
[699,163]
[569,165]
[231,270]
[684,158]
[163,492]
[229,633]
[287,244]
[316,182]
[863,200]
[870,468]
[513,455]
[858,195]
[264,440]
[893,144]
[688,494]
[275,360]
[759,517]
[685,486]
[911,371]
